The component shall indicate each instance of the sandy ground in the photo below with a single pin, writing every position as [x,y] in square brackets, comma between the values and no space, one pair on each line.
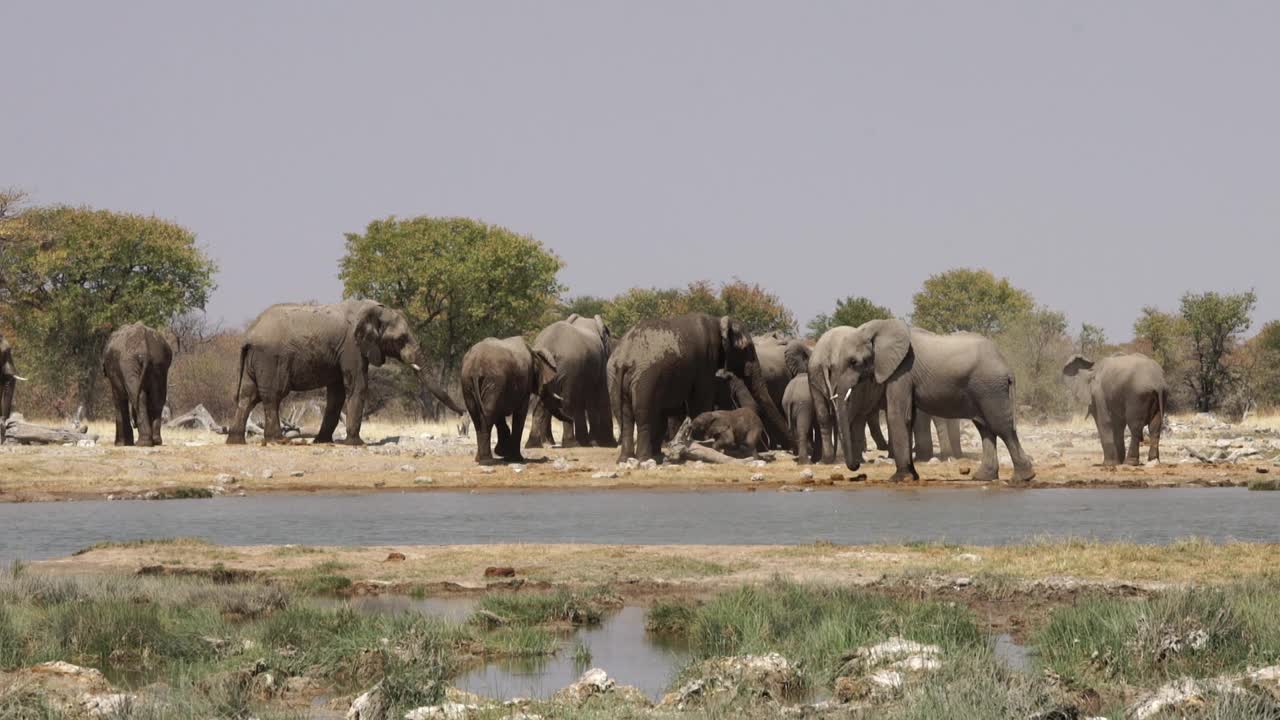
[425,457]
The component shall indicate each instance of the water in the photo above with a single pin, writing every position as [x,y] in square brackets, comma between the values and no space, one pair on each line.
[41,530]
[619,644]
[1013,655]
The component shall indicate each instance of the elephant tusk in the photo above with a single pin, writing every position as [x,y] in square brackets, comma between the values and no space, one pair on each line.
[19,377]
[847,393]
[557,397]
[416,367]
[833,397]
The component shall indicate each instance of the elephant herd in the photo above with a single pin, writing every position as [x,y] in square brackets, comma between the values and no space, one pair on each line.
[743,393]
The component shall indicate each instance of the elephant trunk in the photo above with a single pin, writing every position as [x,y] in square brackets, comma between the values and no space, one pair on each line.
[6,399]
[775,424]
[410,355]
[850,425]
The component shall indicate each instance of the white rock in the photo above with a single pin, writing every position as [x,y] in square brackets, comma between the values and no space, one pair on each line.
[757,477]
[225,479]
[407,468]
[649,464]
[444,711]
[560,464]
[517,468]
[422,480]
[604,475]
[268,474]
[807,474]
[296,474]
[969,557]
[886,679]
[367,706]
[109,705]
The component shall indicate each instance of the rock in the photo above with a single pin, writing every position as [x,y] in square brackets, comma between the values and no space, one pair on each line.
[517,468]
[152,495]
[487,470]
[592,682]
[423,480]
[444,711]
[407,468]
[766,676]
[296,474]
[604,475]
[964,470]
[367,706]
[225,479]
[757,477]
[969,557]
[491,572]
[71,690]
[268,474]
[629,464]
[878,672]
[961,582]
[109,705]
[560,464]
[649,464]
[395,557]
[806,474]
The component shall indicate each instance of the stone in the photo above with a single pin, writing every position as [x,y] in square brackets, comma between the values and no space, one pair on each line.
[877,672]
[395,557]
[108,705]
[268,474]
[225,479]
[560,464]
[367,705]
[649,464]
[757,477]
[517,468]
[296,474]
[407,468]
[423,480]
[806,474]
[604,475]
[766,676]
[592,682]
[490,572]
[443,711]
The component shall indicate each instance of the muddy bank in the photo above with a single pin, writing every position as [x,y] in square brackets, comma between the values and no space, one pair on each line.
[1198,451]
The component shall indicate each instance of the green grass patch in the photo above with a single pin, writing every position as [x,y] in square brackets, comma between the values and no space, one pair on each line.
[173,541]
[1199,633]
[542,608]
[1267,484]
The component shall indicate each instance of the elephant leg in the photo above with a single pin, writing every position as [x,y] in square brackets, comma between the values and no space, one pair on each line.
[923,437]
[540,429]
[999,417]
[600,421]
[271,420]
[755,441]
[1156,426]
[581,435]
[901,411]
[503,449]
[355,413]
[517,431]
[1134,455]
[569,436]
[124,425]
[334,397]
[484,450]
[823,412]
[801,431]
[248,400]
[989,469]
[950,442]
[143,410]
[627,428]
[158,394]
[873,425]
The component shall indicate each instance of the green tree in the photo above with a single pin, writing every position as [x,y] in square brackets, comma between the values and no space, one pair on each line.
[968,300]
[1164,333]
[1266,346]
[584,305]
[1036,345]
[1214,322]
[70,276]
[759,310]
[852,311]
[1091,340]
[457,280]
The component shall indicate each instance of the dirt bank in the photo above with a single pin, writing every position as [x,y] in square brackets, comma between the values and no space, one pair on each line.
[424,458]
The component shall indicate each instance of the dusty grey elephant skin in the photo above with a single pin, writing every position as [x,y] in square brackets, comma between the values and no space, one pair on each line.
[9,378]
[498,379]
[1124,391]
[961,375]
[797,357]
[136,363]
[667,368]
[295,348]
[580,348]
[731,430]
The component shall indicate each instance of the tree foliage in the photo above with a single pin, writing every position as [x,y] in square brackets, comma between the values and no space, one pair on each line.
[1214,322]
[1164,334]
[852,311]
[457,280]
[1091,340]
[968,300]
[70,276]
[758,309]
[1036,345]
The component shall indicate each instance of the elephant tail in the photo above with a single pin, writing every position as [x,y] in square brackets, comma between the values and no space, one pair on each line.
[244,354]
[616,376]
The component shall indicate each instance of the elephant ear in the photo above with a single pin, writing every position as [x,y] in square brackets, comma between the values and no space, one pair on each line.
[796,357]
[573,317]
[732,337]
[890,343]
[602,328]
[1076,364]
[368,334]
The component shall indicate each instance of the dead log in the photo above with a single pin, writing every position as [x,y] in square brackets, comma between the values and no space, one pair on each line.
[683,448]
[198,417]
[19,431]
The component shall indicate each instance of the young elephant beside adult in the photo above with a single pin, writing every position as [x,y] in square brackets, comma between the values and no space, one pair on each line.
[580,348]
[498,378]
[136,363]
[1124,391]
[295,348]
[801,413]
[961,375]
[666,368]
[731,430]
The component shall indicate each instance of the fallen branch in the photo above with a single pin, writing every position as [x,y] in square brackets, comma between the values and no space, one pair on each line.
[198,417]
[683,448]
[17,430]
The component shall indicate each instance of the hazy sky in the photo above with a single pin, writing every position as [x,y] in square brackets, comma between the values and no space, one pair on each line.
[1103,155]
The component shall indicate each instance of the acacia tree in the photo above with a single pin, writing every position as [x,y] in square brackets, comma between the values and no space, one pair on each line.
[70,276]
[851,311]
[1036,345]
[1214,322]
[457,280]
[759,310]
[968,300]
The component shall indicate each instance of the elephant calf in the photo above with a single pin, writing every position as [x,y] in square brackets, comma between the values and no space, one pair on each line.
[1124,391]
[498,378]
[739,429]
[136,364]
[797,406]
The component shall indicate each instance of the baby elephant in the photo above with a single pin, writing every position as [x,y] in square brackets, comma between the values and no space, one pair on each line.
[136,364]
[1124,391]
[739,429]
[498,379]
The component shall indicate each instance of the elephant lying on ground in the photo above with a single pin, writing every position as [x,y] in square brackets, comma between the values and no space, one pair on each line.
[580,348]
[731,430]
[295,348]
[666,368]
[961,375]
[1124,391]
[498,378]
[136,363]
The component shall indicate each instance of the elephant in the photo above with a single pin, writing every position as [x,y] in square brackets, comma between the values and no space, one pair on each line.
[305,347]
[665,368]
[801,415]
[9,378]
[960,375]
[498,378]
[1124,390]
[580,347]
[136,363]
[738,429]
